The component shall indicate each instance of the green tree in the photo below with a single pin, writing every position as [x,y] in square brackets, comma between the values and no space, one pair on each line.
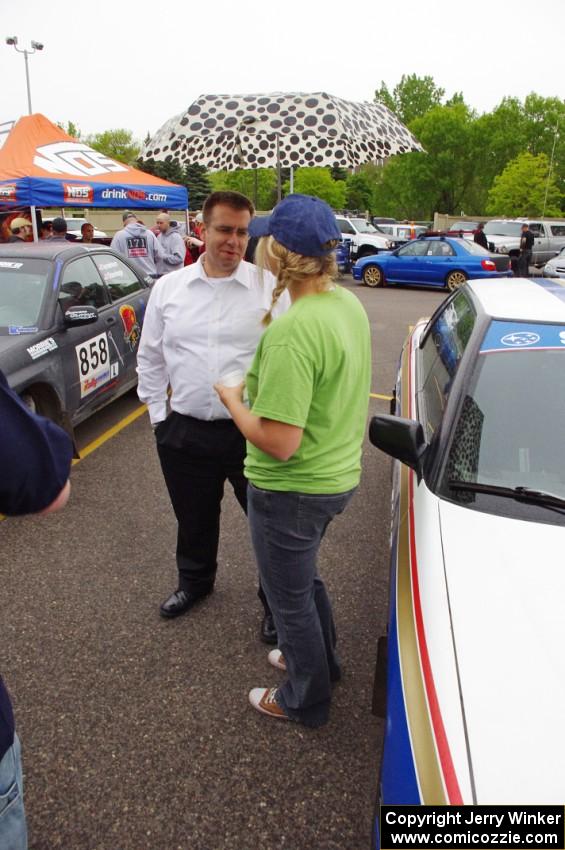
[246,181]
[70,129]
[318,182]
[359,191]
[171,171]
[521,189]
[197,181]
[415,185]
[117,144]
[412,97]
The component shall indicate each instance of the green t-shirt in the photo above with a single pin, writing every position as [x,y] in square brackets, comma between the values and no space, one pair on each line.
[312,368]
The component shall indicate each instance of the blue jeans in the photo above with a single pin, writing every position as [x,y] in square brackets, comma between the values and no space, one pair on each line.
[286,530]
[13,829]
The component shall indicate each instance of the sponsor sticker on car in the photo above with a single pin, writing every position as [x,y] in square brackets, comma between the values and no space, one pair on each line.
[41,348]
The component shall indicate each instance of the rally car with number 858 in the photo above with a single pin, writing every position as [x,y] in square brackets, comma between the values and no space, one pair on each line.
[70,323]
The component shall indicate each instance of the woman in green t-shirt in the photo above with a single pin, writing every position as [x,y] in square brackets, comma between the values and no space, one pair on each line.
[308,391]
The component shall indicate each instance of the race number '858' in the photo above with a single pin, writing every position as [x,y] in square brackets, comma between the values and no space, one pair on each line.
[92,354]
[93,364]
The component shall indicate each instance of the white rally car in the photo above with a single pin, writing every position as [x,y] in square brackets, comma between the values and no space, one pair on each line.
[476,636]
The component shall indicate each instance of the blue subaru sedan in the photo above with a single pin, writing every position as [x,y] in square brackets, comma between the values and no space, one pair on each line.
[432,261]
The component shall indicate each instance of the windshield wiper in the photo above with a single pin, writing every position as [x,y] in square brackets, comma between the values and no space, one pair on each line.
[521,494]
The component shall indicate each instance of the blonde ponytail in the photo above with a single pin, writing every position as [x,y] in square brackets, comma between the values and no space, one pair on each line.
[290,267]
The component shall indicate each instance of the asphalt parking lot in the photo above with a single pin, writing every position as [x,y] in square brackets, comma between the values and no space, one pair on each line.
[136,732]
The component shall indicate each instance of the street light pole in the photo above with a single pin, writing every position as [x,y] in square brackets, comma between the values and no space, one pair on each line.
[550,168]
[36,45]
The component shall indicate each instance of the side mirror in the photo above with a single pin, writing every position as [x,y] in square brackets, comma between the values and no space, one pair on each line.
[80,315]
[400,438]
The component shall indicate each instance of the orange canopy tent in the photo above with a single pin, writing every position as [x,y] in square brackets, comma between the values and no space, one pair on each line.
[42,166]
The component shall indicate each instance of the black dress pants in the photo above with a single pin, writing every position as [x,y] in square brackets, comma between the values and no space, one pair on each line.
[197,456]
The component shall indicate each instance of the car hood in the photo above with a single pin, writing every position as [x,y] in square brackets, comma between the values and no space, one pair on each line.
[502,240]
[13,342]
[506,583]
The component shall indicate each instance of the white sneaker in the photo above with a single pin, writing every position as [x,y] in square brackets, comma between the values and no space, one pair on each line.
[276,658]
[263,699]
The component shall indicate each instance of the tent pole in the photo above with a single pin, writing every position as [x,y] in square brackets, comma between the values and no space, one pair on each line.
[34,225]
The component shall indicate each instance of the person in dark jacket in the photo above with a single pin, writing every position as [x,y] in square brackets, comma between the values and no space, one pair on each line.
[35,459]
[480,236]
[526,245]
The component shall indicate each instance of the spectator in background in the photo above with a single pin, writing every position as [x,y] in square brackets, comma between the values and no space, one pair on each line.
[138,243]
[171,243]
[480,236]
[45,230]
[59,230]
[526,245]
[21,230]
[35,459]
[87,232]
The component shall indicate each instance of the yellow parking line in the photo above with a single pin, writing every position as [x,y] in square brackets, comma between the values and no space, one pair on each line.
[378,395]
[111,432]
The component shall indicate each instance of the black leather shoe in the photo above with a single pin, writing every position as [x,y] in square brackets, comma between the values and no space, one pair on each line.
[268,631]
[179,603]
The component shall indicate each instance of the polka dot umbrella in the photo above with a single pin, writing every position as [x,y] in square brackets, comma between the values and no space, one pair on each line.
[226,132]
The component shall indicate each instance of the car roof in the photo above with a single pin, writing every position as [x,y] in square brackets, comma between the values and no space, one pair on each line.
[47,250]
[523,299]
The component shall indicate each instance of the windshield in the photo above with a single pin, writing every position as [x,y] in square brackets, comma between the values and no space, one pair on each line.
[511,424]
[503,228]
[362,226]
[464,225]
[75,223]
[472,247]
[23,284]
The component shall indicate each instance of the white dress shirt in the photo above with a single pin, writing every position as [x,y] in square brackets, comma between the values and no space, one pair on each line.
[196,329]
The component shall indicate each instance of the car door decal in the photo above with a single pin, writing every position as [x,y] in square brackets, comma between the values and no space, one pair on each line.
[132,330]
[93,358]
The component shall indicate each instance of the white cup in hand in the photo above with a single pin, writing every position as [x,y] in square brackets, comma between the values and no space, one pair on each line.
[232,379]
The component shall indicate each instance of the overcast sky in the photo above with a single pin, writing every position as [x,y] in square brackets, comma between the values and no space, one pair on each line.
[136,64]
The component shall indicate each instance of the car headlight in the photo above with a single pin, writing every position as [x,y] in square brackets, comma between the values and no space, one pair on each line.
[502,249]
[550,272]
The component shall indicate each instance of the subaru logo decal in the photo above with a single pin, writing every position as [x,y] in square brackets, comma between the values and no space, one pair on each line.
[519,339]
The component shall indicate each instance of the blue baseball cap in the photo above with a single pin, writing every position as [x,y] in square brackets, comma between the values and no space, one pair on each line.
[301,223]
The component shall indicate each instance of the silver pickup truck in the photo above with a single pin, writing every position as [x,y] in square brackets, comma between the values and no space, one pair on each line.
[549,237]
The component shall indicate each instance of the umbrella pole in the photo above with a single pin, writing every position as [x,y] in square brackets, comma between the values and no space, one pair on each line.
[279,186]
[292,179]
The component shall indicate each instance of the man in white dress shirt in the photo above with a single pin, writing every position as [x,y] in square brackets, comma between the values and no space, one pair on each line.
[202,323]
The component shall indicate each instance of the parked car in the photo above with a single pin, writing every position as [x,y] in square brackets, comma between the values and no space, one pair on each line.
[432,261]
[556,266]
[399,234]
[467,227]
[364,239]
[474,651]
[549,237]
[74,225]
[70,323]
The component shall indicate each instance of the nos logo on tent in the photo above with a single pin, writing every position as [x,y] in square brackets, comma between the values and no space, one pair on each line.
[74,158]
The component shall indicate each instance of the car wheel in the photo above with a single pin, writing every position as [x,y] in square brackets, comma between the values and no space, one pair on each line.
[454,280]
[30,401]
[43,401]
[373,276]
